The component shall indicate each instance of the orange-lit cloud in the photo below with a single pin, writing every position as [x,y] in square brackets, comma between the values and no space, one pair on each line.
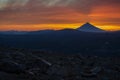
[58,14]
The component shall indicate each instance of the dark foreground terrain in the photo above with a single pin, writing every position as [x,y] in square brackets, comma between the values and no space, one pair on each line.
[19,64]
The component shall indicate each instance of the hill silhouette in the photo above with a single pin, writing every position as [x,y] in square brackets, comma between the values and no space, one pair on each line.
[66,41]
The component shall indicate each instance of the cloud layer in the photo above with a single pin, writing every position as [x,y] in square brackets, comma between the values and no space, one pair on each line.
[12,3]
[33,12]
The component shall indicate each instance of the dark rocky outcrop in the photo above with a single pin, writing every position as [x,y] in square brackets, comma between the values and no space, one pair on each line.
[28,65]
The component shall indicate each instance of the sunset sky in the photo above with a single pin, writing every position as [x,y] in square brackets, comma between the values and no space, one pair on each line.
[30,15]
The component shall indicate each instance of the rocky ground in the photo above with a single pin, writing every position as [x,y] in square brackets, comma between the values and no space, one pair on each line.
[18,64]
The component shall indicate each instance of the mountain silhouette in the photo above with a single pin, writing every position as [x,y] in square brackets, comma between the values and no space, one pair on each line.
[87,27]
[13,32]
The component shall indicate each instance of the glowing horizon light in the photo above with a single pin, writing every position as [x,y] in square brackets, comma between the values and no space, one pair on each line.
[52,26]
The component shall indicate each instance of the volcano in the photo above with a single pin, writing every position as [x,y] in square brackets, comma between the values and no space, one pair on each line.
[87,27]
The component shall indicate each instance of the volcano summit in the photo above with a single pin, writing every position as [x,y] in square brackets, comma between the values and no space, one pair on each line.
[87,27]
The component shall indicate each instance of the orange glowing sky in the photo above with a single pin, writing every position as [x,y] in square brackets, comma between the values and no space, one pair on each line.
[27,15]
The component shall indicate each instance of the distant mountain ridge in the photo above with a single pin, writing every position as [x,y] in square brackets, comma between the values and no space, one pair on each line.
[87,27]
[65,41]
[13,32]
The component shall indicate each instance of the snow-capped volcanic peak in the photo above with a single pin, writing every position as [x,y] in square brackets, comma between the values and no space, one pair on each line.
[87,27]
